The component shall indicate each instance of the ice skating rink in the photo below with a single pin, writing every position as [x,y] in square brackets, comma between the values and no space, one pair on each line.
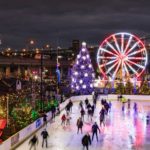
[123,131]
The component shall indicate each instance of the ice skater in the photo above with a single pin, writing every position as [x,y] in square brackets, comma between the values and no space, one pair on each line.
[86,141]
[102,116]
[82,113]
[79,124]
[63,119]
[44,135]
[34,141]
[95,129]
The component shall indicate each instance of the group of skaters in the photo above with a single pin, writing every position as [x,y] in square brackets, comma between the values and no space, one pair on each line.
[126,104]
[65,118]
[90,109]
[34,140]
[86,109]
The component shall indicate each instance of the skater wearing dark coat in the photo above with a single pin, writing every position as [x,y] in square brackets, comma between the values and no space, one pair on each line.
[86,141]
[33,142]
[95,128]
[45,119]
[102,116]
[44,134]
[79,124]
[82,113]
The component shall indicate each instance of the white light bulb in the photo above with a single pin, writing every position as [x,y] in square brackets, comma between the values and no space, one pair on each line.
[83,49]
[91,85]
[77,87]
[81,81]
[90,66]
[85,74]
[84,86]
[82,67]
[84,58]
[87,56]
[83,44]
[78,56]
[76,73]
[93,75]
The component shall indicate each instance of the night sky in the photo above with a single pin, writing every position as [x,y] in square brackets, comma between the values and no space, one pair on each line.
[58,22]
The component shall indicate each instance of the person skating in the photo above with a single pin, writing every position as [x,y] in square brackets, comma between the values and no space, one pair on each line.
[63,119]
[79,124]
[68,107]
[86,141]
[53,110]
[90,113]
[68,119]
[106,106]
[45,119]
[34,141]
[86,102]
[82,113]
[129,104]
[102,116]
[70,104]
[135,107]
[95,129]
[110,105]
[45,135]
[81,105]
[93,109]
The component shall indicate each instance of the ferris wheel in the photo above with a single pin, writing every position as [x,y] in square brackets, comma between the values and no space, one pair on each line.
[123,54]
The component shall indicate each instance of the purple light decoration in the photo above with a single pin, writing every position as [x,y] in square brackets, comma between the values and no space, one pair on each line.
[82,73]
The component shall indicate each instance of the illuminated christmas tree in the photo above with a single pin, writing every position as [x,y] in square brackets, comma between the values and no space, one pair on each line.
[82,73]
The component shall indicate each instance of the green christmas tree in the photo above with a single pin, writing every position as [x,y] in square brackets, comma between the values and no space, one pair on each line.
[128,87]
[144,88]
[120,89]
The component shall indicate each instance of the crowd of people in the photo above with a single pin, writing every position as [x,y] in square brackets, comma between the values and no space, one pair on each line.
[88,109]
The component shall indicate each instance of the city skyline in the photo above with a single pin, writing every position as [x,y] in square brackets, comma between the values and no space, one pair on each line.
[59,22]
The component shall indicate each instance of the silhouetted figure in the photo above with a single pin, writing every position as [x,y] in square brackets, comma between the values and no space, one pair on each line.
[34,141]
[102,116]
[44,134]
[135,107]
[129,104]
[79,124]
[95,128]
[63,119]
[86,141]
[45,119]
[82,113]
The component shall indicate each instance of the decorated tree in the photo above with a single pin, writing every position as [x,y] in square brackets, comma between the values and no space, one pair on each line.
[120,89]
[144,89]
[82,73]
[128,87]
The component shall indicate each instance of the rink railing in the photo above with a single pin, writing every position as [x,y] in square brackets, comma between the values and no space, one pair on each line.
[131,97]
[17,139]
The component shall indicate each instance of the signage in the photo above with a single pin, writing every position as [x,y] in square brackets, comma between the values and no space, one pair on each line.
[38,123]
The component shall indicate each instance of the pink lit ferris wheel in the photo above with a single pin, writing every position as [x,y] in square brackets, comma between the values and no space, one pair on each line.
[122,54]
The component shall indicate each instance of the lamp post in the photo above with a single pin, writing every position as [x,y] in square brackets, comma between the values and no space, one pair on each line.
[41,83]
[7,111]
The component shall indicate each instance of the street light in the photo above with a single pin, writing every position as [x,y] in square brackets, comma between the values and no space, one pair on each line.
[41,83]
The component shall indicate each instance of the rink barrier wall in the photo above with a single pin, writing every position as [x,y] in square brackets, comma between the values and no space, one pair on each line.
[132,97]
[14,141]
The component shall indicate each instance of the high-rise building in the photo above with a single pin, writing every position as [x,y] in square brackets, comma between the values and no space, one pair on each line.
[75,46]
